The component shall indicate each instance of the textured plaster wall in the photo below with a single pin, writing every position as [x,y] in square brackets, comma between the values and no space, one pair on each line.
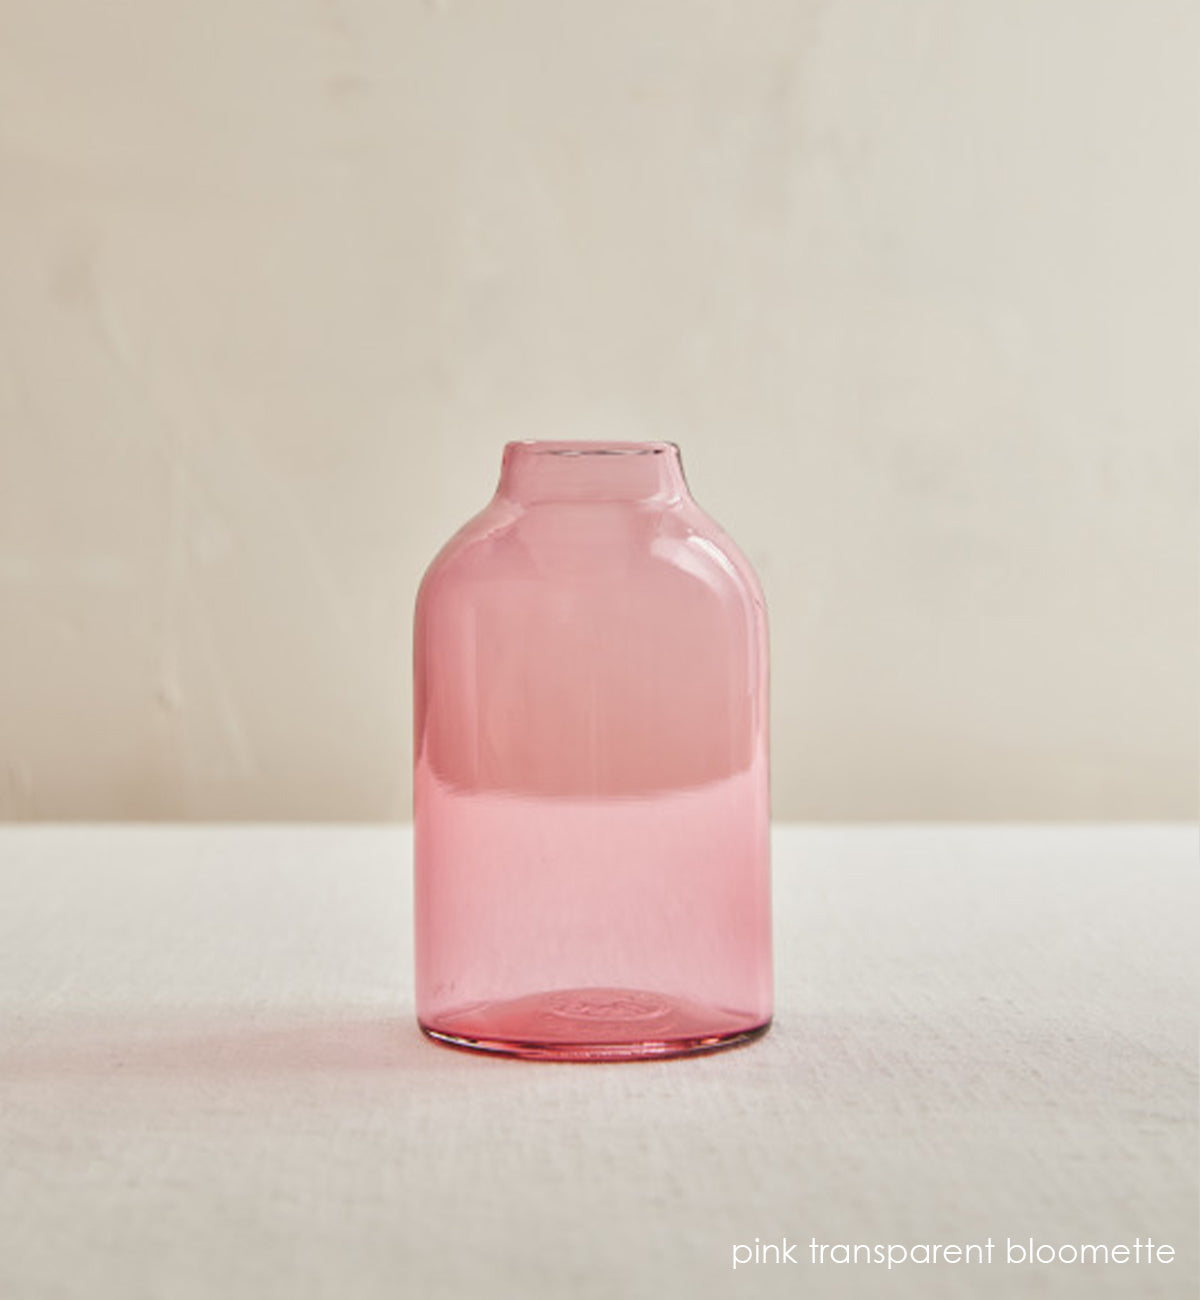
[913,285]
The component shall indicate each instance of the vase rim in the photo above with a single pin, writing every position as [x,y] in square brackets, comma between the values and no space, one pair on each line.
[587,470]
[591,447]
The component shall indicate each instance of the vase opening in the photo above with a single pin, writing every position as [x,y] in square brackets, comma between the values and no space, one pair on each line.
[534,472]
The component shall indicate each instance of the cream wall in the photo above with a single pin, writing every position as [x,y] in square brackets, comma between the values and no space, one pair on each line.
[912,283]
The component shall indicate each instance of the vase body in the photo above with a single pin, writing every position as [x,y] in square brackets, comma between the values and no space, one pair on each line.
[592,862]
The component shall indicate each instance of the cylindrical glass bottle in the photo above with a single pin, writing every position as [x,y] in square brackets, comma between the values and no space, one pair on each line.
[590,785]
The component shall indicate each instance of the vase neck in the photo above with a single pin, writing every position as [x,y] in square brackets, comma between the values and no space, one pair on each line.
[592,471]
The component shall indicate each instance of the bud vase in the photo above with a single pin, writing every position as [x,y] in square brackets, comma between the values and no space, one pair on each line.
[592,861]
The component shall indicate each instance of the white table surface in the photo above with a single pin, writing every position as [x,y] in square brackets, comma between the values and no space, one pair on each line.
[211,1083]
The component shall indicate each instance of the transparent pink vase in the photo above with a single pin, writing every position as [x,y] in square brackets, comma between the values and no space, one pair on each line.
[590,785]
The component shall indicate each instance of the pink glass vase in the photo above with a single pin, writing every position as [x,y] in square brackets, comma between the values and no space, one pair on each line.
[590,785]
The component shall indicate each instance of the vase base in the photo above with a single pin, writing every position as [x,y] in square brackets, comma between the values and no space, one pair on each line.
[595,1024]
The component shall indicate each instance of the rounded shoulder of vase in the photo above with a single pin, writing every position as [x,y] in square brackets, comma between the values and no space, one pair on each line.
[702,533]
[618,541]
